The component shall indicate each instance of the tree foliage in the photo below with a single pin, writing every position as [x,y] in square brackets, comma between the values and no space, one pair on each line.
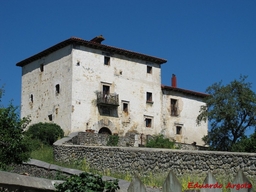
[230,110]
[14,147]
[47,133]
[246,144]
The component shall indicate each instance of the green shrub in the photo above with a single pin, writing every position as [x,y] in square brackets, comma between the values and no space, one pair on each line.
[113,140]
[13,147]
[34,143]
[159,141]
[87,182]
[48,133]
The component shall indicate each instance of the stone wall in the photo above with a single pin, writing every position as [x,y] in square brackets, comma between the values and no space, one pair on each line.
[129,140]
[143,160]
[95,139]
[10,182]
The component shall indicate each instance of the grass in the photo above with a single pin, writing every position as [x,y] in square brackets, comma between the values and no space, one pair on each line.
[45,153]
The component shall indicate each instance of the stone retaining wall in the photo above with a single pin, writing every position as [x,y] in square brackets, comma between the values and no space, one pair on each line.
[95,139]
[129,140]
[143,160]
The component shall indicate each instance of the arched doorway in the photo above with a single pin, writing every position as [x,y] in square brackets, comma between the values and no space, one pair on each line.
[105,130]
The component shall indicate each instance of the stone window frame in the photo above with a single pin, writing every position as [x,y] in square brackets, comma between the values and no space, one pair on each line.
[149,121]
[125,106]
[149,97]
[149,69]
[174,105]
[106,60]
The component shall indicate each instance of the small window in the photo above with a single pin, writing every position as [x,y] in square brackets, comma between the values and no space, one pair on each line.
[57,88]
[50,117]
[149,69]
[106,60]
[31,98]
[42,67]
[174,107]
[125,107]
[178,130]
[149,97]
[148,122]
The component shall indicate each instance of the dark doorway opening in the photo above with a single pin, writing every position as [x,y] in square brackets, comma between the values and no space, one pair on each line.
[105,130]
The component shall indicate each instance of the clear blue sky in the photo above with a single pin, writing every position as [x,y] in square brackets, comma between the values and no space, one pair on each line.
[204,41]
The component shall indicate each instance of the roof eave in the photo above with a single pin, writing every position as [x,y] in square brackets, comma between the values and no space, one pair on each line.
[185,91]
[90,44]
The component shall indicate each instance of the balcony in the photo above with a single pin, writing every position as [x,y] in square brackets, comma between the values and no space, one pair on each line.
[110,99]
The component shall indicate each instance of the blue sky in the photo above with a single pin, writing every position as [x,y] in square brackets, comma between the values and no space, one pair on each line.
[203,41]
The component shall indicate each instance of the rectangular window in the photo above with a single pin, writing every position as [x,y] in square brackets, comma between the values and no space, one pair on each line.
[149,69]
[106,89]
[31,98]
[50,117]
[42,67]
[106,60]
[174,107]
[106,111]
[125,107]
[57,88]
[149,97]
[148,122]
[178,130]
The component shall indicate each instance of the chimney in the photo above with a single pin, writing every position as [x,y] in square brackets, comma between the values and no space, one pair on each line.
[98,39]
[174,81]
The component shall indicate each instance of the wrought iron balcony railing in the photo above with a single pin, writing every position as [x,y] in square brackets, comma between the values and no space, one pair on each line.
[107,99]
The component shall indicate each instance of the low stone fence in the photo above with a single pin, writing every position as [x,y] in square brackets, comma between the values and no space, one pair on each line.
[10,182]
[95,139]
[25,182]
[144,160]
[29,177]
[129,140]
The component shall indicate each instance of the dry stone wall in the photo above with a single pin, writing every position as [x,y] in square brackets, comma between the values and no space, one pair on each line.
[129,140]
[95,139]
[143,160]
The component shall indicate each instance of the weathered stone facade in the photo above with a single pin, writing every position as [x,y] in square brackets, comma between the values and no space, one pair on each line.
[82,85]
[143,160]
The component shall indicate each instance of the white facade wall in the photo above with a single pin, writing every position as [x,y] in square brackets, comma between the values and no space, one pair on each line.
[80,73]
[126,77]
[188,110]
[46,102]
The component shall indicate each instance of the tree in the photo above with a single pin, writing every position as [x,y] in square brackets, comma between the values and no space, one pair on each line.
[14,147]
[47,133]
[230,110]
[246,144]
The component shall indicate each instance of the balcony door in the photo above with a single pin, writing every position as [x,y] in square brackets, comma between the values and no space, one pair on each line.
[106,89]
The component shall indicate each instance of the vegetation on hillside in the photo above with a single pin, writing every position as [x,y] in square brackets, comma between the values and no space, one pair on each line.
[231,111]
[87,182]
[14,146]
[246,144]
[47,133]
